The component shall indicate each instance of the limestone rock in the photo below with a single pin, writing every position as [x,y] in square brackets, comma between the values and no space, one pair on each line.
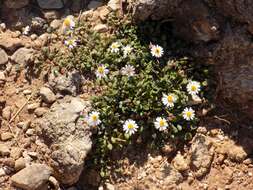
[19,164]
[9,43]
[66,84]
[201,155]
[4,150]
[3,57]
[47,95]
[68,138]
[180,163]
[23,56]
[6,136]
[114,4]
[32,177]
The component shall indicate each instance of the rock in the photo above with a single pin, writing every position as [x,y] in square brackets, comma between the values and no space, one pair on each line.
[19,164]
[32,177]
[3,57]
[15,152]
[6,136]
[66,84]
[4,150]
[55,24]
[94,4]
[180,163]
[37,24]
[34,36]
[54,182]
[68,137]
[33,106]
[50,4]
[47,95]
[171,176]
[30,132]
[114,4]
[51,14]
[232,150]
[13,4]
[109,186]
[2,77]
[40,111]
[6,113]
[2,172]
[103,13]
[23,56]
[9,43]
[27,92]
[24,125]
[101,28]
[201,155]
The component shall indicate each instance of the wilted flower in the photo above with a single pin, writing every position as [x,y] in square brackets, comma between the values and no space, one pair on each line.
[93,119]
[102,71]
[130,126]
[128,70]
[169,100]
[114,48]
[193,87]
[188,114]
[161,124]
[157,51]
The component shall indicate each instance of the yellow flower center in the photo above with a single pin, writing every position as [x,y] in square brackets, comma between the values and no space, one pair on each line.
[189,114]
[130,126]
[157,51]
[193,88]
[101,70]
[162,123]
[170,98]
[94,117]
[67,22]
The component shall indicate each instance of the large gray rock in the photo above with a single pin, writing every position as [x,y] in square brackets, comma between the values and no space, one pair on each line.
[50,4]
[66,84]
[23,56]
[3,57]
[32,177]
[68,137]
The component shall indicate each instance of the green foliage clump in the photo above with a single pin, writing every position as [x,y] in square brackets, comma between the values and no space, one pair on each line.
[137,97]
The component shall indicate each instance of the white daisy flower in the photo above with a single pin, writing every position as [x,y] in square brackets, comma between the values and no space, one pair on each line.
[188,114]
[127,50]
[157,51]
[93,118]
[130,126]
[169,100]
[161,124]
[102,71]
[114,48]
[26,30]
[71,43]
[68,23]
[128,70]
[193,87]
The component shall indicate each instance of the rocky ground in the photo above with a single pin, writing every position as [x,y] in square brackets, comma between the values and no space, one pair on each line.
[44,141]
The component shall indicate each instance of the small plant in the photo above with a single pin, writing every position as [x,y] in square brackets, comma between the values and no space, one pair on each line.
[146,89]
